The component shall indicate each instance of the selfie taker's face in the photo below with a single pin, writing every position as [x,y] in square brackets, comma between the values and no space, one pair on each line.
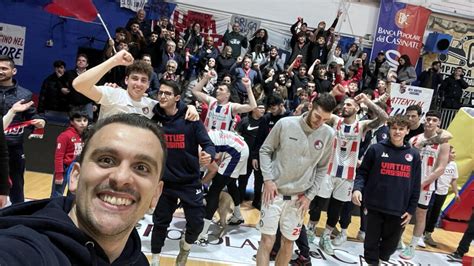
[117,179]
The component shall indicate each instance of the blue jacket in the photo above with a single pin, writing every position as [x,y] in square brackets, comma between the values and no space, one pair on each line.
[182,140]
[390,178]
[42,233]
[8,97]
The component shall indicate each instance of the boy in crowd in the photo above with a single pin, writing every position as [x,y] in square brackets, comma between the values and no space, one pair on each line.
[68,146]
[389,180]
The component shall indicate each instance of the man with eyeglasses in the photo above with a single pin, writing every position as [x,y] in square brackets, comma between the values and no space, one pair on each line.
[182,177]
[114,100]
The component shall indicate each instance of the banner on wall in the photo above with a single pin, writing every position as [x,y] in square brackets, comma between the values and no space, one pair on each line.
[134,5]
[403,96]
[461,51]
[12,42]
[248,26]
[399,31]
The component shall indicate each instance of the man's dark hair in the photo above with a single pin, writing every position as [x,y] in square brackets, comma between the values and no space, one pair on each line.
[59,63]
[399,120]
[435,63]
[148,55]
[433,113]
[414,107]
[134,120]
[173,84]
[303,65]
[273,99]
[326,101]
[77,112]
[121,30]
[7,58]
[139,67]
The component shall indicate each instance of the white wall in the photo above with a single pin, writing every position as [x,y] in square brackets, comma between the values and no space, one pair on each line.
[362,16]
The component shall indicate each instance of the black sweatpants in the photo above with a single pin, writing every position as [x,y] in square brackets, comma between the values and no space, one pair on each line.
[244,180]
[212,198]
[382,236]
[467,238]
[301,242]
[315,208]
[191,199]
[346,216]
[17,170]
[434,211]
[257,188]
[334,211]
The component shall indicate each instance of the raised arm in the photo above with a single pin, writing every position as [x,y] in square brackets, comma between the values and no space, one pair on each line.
[85,83]
[289,71]
[197,90]
[245,108]
[380,114]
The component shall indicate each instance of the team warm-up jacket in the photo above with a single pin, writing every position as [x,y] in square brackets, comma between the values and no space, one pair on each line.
[295,156]
[390,178]
[182,140]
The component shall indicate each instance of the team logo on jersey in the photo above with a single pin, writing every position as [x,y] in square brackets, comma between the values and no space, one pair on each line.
[145,110]
[384,155]
[318,144]
[408,157]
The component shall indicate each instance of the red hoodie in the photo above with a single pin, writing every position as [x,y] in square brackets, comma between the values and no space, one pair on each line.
[69,145]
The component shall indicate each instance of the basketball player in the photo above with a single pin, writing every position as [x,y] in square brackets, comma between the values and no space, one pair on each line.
[338,183]
[434,158]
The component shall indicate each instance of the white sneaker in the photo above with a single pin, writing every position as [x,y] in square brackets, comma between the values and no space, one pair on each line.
[311,235]
[421,243]
[339,240]
[361,236]
[325,245]
[401,245]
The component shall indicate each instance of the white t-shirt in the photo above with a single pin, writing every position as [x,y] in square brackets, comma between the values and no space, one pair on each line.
[444,181]
[116,100]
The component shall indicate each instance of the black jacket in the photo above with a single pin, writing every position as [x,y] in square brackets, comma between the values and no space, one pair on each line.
[8,97]
[390,178]
[41,233]
[4,167]
[182,140]
[452,89]
[51,97]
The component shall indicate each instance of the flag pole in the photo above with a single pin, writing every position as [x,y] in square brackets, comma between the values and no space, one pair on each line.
[106,30]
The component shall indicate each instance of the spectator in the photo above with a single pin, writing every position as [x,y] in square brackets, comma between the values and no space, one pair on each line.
[121,35]
[154,81]
[208,50]
[300,49]
[295,30]
[52,95]
[170,54]
[192,38]
[406,71]
[137,39]
[352,54]
[378,69]
[273,60]
[335,52]
[452,88]
[225,61]
[235,40]
[10,93]
[259,37]
[68,146]
[143,24]
[75,98]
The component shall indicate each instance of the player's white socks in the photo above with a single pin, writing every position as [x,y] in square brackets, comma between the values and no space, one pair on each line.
[237,212]
[186,245]
[155,259]
[344,232]
[312,225]
[414,240]
[328,231]
[207,224]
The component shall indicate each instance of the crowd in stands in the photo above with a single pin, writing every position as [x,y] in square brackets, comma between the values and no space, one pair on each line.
[246,94]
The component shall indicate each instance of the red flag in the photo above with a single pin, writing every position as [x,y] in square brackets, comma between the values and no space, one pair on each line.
[82,9]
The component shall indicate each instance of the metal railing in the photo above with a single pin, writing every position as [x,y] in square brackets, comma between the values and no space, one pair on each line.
[447,115]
